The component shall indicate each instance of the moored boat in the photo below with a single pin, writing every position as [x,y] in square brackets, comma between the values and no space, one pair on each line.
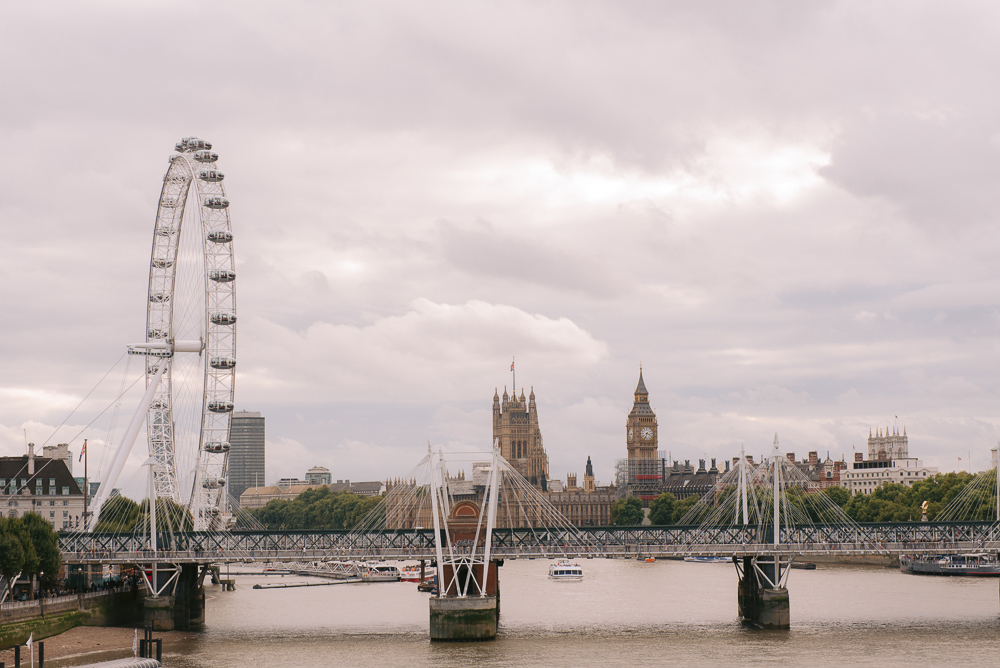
[708,560]
[379,572]
[980,564]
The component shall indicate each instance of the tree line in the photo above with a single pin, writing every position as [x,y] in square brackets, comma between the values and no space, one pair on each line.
[889,502]
[316,509]
[121,514]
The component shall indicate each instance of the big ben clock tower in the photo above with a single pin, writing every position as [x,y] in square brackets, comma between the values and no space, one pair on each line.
[640,427]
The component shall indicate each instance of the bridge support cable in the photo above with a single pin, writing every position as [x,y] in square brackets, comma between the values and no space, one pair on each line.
[125,448]
[977,502]
[773,503]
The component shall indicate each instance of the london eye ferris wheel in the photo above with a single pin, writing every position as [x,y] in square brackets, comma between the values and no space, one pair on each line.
[190,341]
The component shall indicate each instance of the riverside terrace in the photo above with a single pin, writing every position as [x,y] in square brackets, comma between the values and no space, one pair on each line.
[609,542]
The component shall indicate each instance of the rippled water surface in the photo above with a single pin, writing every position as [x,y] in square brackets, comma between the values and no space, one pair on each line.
[623,613]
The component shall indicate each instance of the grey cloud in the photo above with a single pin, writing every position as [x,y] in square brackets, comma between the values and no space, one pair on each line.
[938,171]
[483,250]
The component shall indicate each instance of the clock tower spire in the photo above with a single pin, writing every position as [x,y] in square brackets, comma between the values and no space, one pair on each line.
[640,427]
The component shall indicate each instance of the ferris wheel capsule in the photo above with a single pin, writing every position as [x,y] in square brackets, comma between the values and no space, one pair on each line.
[220,236]
[191,144]
[216,202]
[217,446]
[223,318]
[222,362]
[160,263]
[211,175]
[221,406]
[222,275]
[214,483]
[206,156]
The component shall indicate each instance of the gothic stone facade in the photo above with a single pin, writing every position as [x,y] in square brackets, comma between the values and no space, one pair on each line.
[640,427]
[515,425]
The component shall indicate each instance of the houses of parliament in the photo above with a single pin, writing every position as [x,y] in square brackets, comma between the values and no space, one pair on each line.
[516,428]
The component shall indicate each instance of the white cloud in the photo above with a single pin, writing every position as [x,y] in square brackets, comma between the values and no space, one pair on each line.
[784,212]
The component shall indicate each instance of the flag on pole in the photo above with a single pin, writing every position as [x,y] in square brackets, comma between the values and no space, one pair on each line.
[31,637]
[512,364]
[82,450]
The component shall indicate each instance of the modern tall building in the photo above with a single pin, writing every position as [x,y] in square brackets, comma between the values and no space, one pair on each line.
[515,424]
[246,452]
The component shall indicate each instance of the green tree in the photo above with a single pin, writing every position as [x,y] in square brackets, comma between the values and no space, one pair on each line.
[31,565]
[626,512]
[318,509]
[118,515]
[46,548]
[661,509]
[682,506]
[838,495]
[170,517]
[11,552]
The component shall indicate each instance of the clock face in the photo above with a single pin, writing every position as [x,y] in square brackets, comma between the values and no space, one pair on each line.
[646,433]
[630,433]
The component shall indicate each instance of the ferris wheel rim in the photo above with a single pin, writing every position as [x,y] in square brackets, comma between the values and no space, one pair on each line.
[193,174]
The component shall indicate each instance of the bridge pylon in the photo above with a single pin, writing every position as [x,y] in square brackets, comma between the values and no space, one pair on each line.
[466,606]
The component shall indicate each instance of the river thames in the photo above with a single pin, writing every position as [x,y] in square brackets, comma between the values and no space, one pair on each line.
[623,613]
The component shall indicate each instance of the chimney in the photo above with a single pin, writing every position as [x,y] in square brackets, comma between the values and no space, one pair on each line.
[31,459]
[727,463]
[701,466]
[790,456]
[859,457]
[714,469]
[813,458]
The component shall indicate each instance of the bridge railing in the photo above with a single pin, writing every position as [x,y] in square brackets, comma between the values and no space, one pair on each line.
[200,547]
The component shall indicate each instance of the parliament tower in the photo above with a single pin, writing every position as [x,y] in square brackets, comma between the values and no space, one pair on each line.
[640,427]
[515,424]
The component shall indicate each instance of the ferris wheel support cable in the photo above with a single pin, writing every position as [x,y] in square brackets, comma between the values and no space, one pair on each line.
[125,447]
[92,390]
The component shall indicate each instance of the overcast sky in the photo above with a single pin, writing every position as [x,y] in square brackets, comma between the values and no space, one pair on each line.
[786,211]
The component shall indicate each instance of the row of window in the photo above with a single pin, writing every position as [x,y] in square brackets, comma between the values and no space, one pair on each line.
[12,487]
[14,503]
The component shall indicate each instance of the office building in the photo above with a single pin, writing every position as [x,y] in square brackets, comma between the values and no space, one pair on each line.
[246,453]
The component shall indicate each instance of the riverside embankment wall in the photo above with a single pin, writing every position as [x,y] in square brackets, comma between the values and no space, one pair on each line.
[48,617]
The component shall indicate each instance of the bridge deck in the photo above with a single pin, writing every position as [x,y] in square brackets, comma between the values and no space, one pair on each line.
[609,542]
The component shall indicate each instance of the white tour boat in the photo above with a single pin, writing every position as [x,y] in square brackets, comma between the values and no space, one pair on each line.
[564,570]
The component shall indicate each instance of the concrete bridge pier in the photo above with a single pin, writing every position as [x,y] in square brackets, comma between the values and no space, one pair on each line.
[762,598]
[465,618]
[183,608]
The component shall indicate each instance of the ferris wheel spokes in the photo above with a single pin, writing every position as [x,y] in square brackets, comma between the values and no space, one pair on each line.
[190,345]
